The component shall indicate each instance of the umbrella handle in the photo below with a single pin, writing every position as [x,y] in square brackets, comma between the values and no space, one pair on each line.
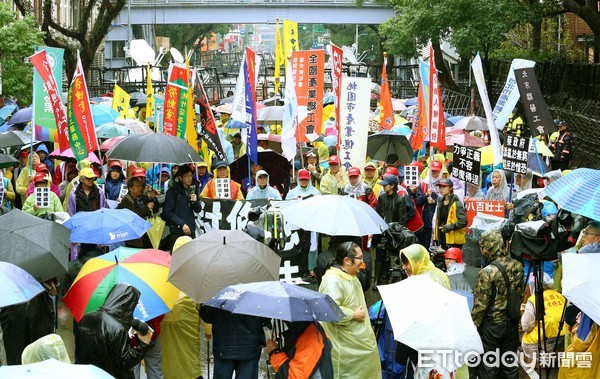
[208,359]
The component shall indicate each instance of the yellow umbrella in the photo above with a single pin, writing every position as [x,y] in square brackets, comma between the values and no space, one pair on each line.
[487,155]
[542,148]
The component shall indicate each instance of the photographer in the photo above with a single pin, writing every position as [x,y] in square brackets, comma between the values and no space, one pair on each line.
[181,202]
[102,338]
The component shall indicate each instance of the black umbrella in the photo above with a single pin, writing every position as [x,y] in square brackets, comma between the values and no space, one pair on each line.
[38,246]
[276,165]
[8,161]
[14,138]
[382,144]
[154,148]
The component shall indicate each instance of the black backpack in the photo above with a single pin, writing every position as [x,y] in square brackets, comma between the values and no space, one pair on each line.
[514,298]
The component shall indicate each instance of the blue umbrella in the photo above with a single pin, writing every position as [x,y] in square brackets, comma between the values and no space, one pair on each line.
[22,116]
[17,285]
[455,119]
[412,101]
[106,226]
[110,130]
[277,300]
[537,164]
[103,115]
[403,129]
[6,111]
[578,192]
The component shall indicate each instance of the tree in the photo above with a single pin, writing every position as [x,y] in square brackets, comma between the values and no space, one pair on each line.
[590,13]
[17,41]
[470,25]
[184,35]
[95,18]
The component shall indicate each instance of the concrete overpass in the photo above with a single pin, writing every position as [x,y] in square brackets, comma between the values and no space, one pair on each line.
[145,12]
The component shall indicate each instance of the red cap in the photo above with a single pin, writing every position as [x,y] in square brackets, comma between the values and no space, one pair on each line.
[138,172]
[370,167]
[392,171]
[436,165]
[334,159]
[353,171]
[417,164]
[23,154]
[40,177]
[115,164]
[303,174]
[41,167]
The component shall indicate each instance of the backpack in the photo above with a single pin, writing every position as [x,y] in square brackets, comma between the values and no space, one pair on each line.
[514,298]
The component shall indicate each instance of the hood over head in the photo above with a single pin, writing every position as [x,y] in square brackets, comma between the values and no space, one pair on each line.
[492,245]
[121,302]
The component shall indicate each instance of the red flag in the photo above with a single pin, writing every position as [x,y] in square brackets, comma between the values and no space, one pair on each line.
[419,131]
[174,117]
[437,130]
[41,64]
[386,117]
[82,131]
[337,56]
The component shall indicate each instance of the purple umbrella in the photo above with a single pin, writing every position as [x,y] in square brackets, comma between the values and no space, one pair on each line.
[22,116]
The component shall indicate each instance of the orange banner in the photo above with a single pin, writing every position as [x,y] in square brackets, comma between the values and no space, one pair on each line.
[491,207]
[308,67]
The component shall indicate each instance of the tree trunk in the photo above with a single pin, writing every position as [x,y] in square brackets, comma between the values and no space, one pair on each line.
[444,74]
[536,35]
[588,13]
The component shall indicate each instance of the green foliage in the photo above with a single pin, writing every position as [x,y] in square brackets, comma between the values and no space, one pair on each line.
[184,35]
[17,41]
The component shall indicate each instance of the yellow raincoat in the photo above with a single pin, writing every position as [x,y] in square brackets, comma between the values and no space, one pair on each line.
[354,353]
[591,348]
[49,346]
[420,264]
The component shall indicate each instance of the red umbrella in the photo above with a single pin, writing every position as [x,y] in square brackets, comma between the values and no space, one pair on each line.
[68,155]
[109,143]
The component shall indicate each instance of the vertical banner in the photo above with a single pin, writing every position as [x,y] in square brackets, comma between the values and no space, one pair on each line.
[280,59]
[466,164]
[121,101]
[510,93]
[82,131]
[420,130]
[191,130]
[159,108]
[386,111]
[538,116]
[44,118]
[174,117]
[208,132]
[309,67]
[514,154]
[337,57]
[44,70]
[291,41]
[437,126]
[238,108]
[250,85]
[290,116]
[480,80]
[149,94]
[355,112]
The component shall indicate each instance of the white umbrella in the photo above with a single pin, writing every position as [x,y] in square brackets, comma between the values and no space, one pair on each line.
[52,368]
[274,113]
[426,316]
[471,123]
[581,281]
[334,215]
[136,126]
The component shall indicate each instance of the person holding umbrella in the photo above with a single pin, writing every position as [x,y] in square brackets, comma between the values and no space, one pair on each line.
[140,203]
[354,351]
[180,204]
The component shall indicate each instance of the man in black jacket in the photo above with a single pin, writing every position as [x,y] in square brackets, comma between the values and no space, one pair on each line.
[392,208]
[102,338]
[237,342]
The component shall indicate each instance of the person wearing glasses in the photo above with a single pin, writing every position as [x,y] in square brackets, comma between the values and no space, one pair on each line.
[591,234]
[354,352]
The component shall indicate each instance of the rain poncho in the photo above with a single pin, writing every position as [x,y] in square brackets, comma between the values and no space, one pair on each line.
[420,264]
[586,340]
[55,205]
[263,193]
[298,191]
[26,175]
[50,346]
[354,352]
[323,152]
[500,193]
[227,146]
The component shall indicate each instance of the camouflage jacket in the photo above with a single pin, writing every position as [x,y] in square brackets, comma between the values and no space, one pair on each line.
[491,284]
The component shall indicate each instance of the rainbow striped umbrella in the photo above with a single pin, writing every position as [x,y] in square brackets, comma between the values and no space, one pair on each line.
[146,270]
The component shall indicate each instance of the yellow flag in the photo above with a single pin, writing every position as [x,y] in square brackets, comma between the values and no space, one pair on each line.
[290,38]
[149,95]
[191,134]
[121,101]
[279,58]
